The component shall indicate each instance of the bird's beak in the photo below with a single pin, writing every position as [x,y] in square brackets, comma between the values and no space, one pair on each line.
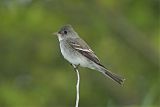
[55,33]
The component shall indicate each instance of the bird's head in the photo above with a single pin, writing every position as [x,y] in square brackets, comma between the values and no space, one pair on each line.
[66,32]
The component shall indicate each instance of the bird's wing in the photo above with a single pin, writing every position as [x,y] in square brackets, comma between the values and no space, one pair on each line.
[82,47]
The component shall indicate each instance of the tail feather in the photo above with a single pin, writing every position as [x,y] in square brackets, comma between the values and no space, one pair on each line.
[114,77]
[111,75]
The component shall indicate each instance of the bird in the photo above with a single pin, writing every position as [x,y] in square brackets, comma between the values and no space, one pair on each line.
[78,53]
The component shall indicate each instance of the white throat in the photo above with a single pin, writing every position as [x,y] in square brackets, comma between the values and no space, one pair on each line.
[59,37]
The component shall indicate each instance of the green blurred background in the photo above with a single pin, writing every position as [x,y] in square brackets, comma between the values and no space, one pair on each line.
[124,35]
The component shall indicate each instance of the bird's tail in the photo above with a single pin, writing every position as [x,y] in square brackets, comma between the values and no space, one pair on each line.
[111,75]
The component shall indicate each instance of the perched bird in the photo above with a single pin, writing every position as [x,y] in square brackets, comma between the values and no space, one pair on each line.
[78,53]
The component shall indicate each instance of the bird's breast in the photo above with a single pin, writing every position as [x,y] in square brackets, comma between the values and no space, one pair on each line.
[71,55]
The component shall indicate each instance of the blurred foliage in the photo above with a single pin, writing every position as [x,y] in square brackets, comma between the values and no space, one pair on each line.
[124,34]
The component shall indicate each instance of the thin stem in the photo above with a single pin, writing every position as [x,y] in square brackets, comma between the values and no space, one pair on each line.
[77,86]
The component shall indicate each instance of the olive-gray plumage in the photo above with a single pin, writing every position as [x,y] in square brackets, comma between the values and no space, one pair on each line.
[77,52]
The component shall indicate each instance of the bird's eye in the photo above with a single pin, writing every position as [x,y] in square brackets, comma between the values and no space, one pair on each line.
[65,32]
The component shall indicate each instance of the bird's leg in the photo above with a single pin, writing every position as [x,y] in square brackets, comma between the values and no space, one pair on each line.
[75,67]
